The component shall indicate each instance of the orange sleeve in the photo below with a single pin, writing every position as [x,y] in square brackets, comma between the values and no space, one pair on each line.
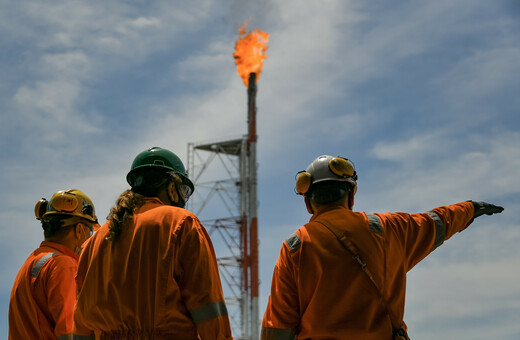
[79,327]
[197,274]
[62,294]
[417,235]
[282,314]
[456,217]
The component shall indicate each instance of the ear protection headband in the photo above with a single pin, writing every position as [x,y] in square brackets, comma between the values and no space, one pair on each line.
[339,169]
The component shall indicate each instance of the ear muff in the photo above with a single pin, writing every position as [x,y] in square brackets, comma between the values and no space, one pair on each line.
[40,208]
[342,167]
[88,210]
[303,182]
[65,202]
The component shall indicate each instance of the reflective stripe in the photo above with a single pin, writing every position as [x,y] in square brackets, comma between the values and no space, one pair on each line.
[440,230]
[293,242]
[66,337]
[39,264]
[374,223]
[269,333]
[209,311]
[83,337]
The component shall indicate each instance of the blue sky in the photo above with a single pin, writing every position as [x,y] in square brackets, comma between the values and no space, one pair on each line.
[422,96]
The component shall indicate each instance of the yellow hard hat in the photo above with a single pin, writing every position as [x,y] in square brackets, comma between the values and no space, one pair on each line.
[67,202]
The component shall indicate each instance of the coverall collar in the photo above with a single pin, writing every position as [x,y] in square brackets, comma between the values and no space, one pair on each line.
[326,209]
[60,248]
[150,203]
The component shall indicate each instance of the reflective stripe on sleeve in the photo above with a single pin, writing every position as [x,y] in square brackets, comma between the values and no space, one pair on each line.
[39,264]
[374,223]
[209,311]
[293,242]
[440,230]
[83,337]
[269,333]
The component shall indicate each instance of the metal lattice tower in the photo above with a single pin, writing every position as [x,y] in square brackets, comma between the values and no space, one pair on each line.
[225,199]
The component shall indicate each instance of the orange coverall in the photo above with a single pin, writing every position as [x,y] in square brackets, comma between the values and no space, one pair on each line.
[320,291]
[43,295]
[158,280]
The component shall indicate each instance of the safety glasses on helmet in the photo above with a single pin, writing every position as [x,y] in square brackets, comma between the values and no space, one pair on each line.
[64,203]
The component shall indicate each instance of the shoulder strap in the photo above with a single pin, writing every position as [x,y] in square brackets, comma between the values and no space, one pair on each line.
[349,246]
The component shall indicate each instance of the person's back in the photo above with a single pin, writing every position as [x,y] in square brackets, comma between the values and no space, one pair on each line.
[43,295]
[343,274]
[132,285]
[150,272]
[41,305]
[329,286]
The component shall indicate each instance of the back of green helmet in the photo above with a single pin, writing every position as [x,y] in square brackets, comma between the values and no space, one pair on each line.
[157,159]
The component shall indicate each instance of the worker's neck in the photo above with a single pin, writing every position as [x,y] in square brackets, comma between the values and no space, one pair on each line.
[319,208]
[66,241]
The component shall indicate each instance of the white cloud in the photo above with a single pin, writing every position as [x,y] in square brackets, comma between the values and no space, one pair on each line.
[68,65]
[468,280]
[51,109]
[481,75]
[424,169]
[143,22]
[212,67]
[417,147]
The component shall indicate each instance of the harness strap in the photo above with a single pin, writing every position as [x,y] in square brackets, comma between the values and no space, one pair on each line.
[349,246]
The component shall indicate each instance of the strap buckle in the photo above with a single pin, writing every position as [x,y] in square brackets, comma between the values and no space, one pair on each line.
[360,261]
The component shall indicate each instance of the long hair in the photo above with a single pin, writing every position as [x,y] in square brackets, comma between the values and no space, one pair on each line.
[123,211]
[151,182]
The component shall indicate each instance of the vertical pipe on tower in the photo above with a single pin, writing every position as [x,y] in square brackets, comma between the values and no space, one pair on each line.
[253,205]
[244,240]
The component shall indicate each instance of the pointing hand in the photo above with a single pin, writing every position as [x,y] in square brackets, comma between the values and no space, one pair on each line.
[482,208]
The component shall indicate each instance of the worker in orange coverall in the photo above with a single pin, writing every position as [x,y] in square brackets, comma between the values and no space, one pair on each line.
[343,274]
[150,272]
[44,291]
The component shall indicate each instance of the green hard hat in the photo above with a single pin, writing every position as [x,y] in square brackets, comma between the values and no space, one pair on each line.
[158,158]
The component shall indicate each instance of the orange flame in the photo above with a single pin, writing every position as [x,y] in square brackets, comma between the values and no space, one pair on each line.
[250,52]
